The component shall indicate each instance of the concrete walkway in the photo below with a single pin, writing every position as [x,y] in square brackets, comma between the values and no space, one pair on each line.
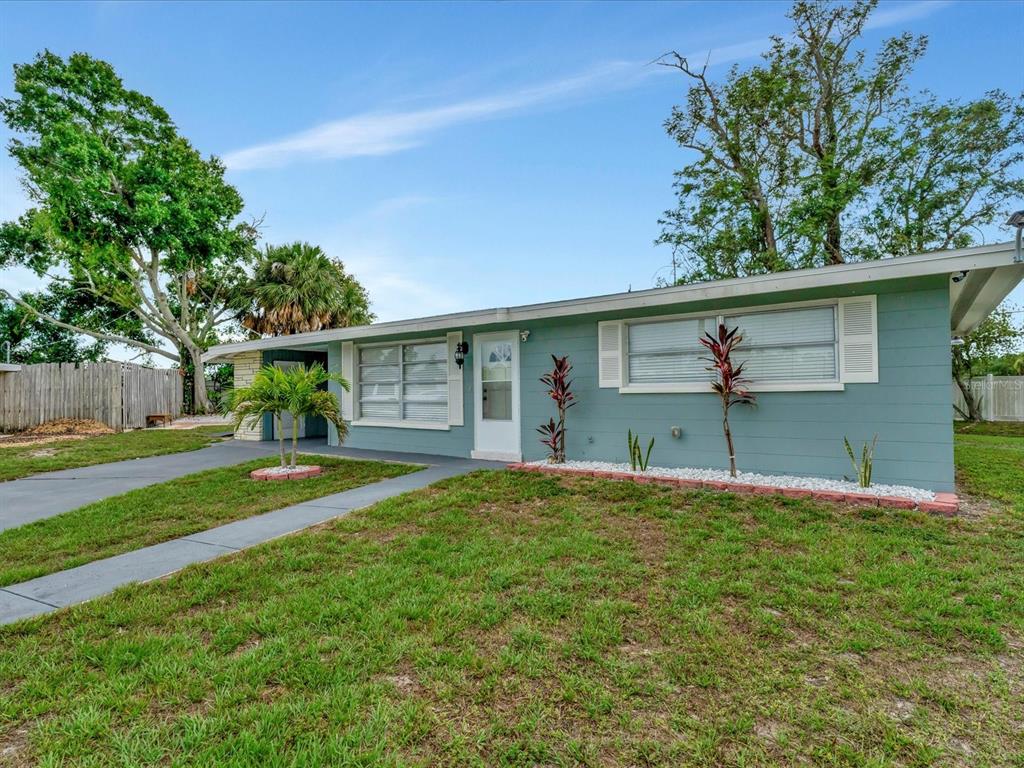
[76,585]
[53,493]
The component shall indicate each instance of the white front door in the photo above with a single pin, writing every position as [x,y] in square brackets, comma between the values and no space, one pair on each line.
[496,396]
[286,418]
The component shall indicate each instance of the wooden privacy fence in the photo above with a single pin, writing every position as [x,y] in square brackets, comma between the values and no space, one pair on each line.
[120,395]
[1002,397]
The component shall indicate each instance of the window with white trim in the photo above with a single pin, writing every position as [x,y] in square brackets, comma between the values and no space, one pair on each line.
[793,346]
[404,382]
[668,351]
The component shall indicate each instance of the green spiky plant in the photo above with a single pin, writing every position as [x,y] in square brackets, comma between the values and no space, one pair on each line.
[865,464]
[636,457]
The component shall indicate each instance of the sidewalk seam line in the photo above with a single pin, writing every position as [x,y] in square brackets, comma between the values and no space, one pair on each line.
[207,543]
[26,597]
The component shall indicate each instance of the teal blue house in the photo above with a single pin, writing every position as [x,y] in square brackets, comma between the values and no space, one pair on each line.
[851,350]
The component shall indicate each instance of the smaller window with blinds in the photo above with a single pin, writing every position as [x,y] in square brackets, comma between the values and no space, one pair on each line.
[668,351]
[404,382]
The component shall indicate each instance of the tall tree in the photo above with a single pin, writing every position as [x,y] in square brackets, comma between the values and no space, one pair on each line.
[126,210]
[297,288]
[837,120]
[817,155]
[951,170]
[996,335]
[35,341]
[733,195]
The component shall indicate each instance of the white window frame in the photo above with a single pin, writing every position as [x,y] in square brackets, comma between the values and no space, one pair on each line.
[823,385]
[399,423]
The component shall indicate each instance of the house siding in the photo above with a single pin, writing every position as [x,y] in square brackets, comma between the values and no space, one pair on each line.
[245,366]
[799,433]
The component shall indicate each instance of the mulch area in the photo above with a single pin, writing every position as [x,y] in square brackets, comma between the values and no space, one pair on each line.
[58,429]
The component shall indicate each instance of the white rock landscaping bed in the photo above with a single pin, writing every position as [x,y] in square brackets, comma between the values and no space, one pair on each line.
[747,478]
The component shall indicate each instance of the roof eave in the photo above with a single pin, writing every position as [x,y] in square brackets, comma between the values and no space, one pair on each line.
[935,262]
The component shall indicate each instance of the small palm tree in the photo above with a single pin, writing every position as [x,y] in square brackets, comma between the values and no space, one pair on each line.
[305,398]
[268,394]
[296,391]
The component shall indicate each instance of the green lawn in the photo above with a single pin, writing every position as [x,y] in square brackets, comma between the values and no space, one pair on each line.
[523,620]
[995,428]
[168,510]
[22,460]
[992,466]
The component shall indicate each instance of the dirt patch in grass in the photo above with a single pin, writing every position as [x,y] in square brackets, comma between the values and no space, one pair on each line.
[59,429]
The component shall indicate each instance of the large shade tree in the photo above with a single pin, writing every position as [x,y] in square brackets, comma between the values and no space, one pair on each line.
[818,155]
[297,288]
[33,340]
[124,209]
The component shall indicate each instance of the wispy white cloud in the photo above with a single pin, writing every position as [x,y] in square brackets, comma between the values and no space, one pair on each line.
[890,14]
[386,132]
[383,133]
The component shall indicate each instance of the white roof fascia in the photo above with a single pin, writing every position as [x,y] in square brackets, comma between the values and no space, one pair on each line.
[918,265]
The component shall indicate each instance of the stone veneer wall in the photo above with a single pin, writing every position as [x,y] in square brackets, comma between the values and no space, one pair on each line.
[246,364]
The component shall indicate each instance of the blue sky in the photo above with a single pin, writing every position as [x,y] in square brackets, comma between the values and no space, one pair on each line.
[459,156]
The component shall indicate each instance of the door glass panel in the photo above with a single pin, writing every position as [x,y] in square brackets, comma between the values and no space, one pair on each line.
[496,380]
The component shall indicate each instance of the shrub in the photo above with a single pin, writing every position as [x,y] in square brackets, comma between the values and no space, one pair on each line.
[560,390]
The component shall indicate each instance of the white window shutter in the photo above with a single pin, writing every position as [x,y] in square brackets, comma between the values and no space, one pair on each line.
[858,340]
[348,373]
[609,353]
[455,417]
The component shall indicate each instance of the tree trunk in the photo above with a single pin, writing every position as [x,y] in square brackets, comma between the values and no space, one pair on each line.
[561,446]
[295,438]
[728,440]
[833,244]
[973,404]
[280,438]
[200,400]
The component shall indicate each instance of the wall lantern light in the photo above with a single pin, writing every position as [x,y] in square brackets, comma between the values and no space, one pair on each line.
[461,350]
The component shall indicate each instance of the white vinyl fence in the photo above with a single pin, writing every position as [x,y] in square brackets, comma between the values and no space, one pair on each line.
[120,395]
[1002,397]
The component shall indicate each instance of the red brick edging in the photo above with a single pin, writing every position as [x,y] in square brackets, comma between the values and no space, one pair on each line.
[944,503]
[268,473]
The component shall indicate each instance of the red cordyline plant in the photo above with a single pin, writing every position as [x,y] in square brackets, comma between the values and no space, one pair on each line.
[560,390]
[730,385]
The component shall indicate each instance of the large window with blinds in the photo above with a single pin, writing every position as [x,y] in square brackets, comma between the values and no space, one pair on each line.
[780,347]
[404,382]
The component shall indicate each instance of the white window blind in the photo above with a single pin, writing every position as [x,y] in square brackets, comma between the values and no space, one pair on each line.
[794,345]
[407,382]
[798,346]
[668,352]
